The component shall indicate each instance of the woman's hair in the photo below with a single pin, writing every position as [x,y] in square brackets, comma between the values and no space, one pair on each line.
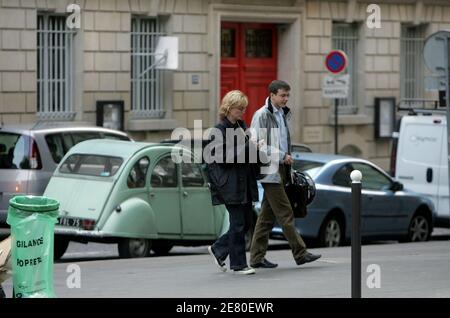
[232,99]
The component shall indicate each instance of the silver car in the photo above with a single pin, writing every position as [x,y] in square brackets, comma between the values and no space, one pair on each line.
[29,155]
[388,210]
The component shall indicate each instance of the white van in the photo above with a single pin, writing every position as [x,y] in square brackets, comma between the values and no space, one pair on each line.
[421,162]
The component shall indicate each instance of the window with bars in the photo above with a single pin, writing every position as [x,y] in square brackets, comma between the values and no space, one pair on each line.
[411,62]
[345,38]
[147,83]
[55,78]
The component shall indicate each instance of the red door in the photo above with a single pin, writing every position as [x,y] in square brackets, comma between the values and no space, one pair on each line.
[248,61]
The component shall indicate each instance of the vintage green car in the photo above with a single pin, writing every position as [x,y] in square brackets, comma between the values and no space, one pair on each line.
[135,195]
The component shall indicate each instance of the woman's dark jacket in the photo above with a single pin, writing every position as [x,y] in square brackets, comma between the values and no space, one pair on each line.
[232,183]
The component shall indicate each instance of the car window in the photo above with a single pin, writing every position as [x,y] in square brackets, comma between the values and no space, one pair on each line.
[310,167]
[58,146]
[92,165]
[136,177]
[164,175]
[192,175]
[342,176]
[85,135]
[372,179]
[18,152]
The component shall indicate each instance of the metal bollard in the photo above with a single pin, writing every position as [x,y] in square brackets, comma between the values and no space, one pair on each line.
[356,177]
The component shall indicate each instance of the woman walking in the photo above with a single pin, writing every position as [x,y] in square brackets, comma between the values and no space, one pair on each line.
[233,181]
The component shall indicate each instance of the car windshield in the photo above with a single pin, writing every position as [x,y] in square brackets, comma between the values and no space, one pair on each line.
[91,165]
[310,167]
[18,152]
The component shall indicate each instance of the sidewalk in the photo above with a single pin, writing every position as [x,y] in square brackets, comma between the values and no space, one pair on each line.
[406,270]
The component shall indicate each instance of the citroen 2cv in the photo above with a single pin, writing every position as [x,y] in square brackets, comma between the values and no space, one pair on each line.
[135,195]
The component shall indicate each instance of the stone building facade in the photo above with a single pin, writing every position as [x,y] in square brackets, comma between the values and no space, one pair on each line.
[61,76]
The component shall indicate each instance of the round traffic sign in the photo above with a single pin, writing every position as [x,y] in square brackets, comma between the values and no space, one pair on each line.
[434,51]
[336,61]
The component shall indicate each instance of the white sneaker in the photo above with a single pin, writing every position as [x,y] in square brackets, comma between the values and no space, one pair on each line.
[221,265]
[244,271]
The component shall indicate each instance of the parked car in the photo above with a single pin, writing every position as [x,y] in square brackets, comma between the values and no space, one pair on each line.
[135,195]
[388,210]
[29,155]
[421,159]
[297,147]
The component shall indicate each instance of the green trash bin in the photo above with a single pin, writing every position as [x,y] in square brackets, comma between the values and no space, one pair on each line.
[32,220]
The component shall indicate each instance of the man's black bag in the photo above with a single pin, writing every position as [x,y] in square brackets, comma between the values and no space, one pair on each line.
[301,192]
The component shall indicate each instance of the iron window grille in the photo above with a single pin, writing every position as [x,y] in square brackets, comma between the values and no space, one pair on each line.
[147,84]
[411,64]
[55,75]
[345,37]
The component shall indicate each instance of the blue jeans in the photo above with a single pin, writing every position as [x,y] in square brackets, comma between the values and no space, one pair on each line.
[232,243]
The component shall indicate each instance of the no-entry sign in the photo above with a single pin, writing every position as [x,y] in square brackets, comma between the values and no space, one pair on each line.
[336,61]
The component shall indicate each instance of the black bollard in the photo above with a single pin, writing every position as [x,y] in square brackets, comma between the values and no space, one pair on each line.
[356,233]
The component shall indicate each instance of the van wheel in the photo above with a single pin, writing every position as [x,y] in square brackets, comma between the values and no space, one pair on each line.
[331,232]
[134,248]
[60,247]
[419,229]
[161,247]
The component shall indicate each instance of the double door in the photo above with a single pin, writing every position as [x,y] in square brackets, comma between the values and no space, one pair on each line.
[248,61]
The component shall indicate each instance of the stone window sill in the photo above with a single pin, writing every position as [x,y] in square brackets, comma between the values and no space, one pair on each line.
[151,124]
[351,120]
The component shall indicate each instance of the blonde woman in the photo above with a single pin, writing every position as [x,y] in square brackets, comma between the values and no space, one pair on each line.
[233,183]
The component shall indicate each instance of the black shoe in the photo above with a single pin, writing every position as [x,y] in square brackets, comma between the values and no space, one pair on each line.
[264,264]
[307,258]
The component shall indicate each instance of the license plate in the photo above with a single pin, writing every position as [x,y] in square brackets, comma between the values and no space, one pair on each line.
[70,222]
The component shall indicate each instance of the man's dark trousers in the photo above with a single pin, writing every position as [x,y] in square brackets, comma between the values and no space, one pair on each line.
[275,206]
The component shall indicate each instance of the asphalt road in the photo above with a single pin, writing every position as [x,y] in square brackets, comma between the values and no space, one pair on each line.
[406,270]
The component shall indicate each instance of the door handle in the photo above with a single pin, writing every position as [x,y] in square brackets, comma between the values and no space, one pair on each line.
[152,194]
[185,194]
[429,175]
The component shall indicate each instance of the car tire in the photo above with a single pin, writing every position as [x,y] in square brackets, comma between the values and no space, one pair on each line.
[134,248]
[419,229]
[60,247]
[331,232]
[161,247]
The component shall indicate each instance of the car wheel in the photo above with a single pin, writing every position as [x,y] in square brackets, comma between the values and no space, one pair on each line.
[161,247]
[331,233]
[134,247]
[60,247]
[419,229]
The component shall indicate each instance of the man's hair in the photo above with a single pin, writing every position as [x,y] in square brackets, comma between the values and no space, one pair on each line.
[276,85]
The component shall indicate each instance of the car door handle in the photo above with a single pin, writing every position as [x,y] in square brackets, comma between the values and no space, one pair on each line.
[152,194]
[429,175]
[185,194]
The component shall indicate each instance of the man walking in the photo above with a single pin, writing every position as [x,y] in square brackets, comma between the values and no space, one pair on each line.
[273,119]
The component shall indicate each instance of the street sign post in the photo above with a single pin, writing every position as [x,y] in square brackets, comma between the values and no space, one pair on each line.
[336,87]
[336,61]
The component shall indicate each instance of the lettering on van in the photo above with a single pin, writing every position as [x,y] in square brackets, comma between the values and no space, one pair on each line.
[30,243]
[417,139]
